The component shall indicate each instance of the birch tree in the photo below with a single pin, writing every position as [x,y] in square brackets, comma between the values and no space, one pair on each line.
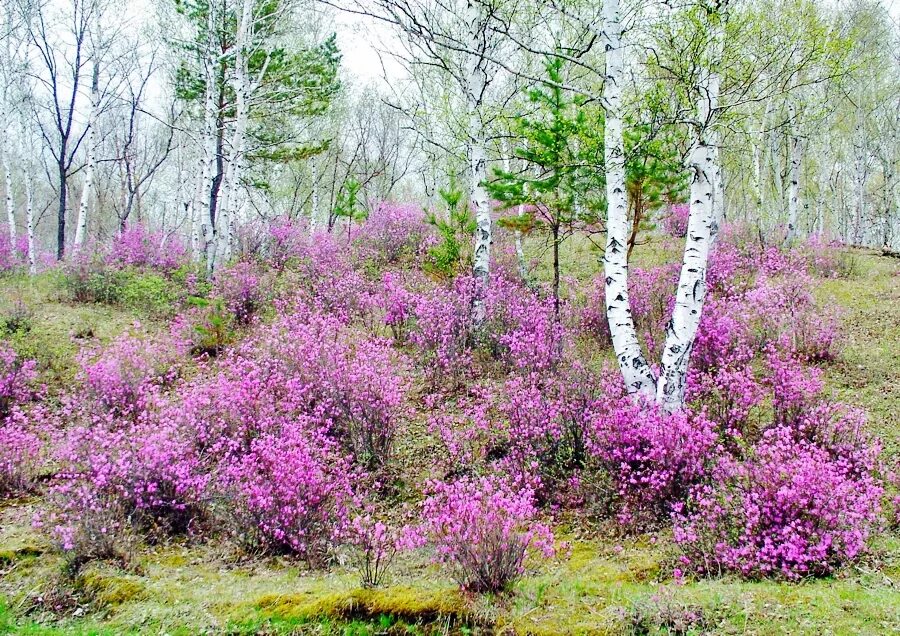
[60,41]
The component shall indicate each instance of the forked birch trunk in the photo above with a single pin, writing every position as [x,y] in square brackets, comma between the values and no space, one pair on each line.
[635,370]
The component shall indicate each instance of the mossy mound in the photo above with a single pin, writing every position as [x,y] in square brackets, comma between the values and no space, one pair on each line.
[109,590]
[8,557]
[402,603]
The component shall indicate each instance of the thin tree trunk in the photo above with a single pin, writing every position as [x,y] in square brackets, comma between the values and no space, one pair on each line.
[691,292]
[62,180]
[794,181]
[229,212]
[476,81]
[199,231]
[87,191]
[10,204]
[635,370]
[713,134]
[29,225]
[314,196]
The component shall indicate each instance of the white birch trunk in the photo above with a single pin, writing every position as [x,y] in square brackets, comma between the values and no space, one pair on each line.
[200,206]
[87,191]
[10,203]
[314,196]
[29,225]
[691,292]
[479,198]
[475,82]
[713,135]
[227,216]
[794,180]
[635,370]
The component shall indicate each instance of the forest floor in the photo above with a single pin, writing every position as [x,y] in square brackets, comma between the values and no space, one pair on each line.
[615,585]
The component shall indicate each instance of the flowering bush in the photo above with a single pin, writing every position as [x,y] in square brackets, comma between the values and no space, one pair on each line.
[325,281]
[549,421]
[795,388]
[123,376]
[391,232]
[242,289]
[652,456]
[521,328]
[121,480]
[482,529]
[287,238]
[676,222]
[10,259]
[441,331]
[19,453]
[288,493]
[376,544]
[16,379]
[792,509]
[136,246]
[398,306]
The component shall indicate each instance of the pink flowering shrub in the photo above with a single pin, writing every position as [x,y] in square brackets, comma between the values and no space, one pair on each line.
[520,328]
[242,288]
[288,493]
[398,304]
[287,240]
[122,377]
[441,332]
[675,223]
[591,316]
[376,544]
[20,450]
[828,258]
[795,388]
[791,509]
[392,231]
[136,246]
[652,295]
[482,530]
[652,456]
[10,258]
[300,366]
[326,282]
[549,422]
[17,377]
[119,482]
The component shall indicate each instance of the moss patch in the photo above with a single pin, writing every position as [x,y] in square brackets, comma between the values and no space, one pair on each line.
[109,590]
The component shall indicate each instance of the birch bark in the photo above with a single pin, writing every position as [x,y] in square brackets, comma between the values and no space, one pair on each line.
[794,180]
[199,239]
[29,225]
[635,370]
[227,216]
[88,189]
[474,85]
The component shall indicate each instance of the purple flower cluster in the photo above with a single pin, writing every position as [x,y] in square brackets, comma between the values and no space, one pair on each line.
[136,246]
[481,530]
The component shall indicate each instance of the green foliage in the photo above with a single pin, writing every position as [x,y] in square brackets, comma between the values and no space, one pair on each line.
[346,205]
[145,292]
[16,319]
[148,293]
[453,253]
[294,82]
[561,182]
[213,328]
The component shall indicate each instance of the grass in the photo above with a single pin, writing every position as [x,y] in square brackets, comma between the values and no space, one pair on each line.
[601,585]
